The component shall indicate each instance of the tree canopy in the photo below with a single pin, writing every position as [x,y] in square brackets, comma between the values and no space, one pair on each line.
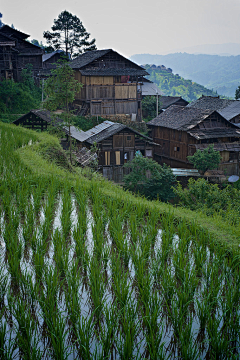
[237,93]
[60,89]
[69,35]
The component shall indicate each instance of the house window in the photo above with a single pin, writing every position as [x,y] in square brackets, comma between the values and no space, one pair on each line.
[129,138]
[178,148]
[107,157]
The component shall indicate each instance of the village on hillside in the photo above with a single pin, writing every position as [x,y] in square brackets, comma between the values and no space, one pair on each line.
[113,88]
[119,206]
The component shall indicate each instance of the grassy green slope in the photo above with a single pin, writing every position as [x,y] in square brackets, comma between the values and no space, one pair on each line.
[36,161]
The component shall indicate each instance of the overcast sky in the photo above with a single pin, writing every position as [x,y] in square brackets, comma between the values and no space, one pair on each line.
[134,26]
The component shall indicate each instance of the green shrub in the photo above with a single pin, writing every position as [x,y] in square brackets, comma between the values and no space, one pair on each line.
[210,199]
[208,159]
[150,179]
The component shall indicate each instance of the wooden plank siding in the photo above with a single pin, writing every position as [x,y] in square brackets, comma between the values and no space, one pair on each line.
[107,96]
[174,146]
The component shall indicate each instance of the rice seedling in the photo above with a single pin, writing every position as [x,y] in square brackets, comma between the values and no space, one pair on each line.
[65,216]
[120,282]
[129,330]
[107,331]
[97,287]
[188,346]
[7,342]
[27,338]
[84,333]
[154,329]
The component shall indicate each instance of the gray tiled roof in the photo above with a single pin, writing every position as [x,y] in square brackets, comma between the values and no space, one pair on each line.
[180,117]
[45,57]
[167,101]
[214,133]
[87,58]
[231,111]
[111,130]
[42,114]
[6,29]
[210,102]
[233,146]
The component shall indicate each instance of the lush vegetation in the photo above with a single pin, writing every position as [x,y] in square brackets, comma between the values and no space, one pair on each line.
[89,271]
[149,107]
[207,159]
[219,73]
[211,200]
[175,85]
[18,98]
[150,179]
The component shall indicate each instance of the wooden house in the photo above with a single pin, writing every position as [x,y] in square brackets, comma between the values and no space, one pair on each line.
[182,130]
[166,101]
[116,143]
[38,120]
[110,85]
[50,60]
[16,53]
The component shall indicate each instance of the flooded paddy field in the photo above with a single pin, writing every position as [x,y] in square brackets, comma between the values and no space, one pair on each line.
[84,276]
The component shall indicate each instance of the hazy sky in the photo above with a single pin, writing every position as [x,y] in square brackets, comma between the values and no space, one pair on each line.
[134,26]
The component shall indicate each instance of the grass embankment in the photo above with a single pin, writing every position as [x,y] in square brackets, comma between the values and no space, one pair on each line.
[45,157]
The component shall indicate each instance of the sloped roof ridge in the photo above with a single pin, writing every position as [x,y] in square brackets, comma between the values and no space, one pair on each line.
[210,102]
[17,32]
[87,57]
[180,117]
[231,110]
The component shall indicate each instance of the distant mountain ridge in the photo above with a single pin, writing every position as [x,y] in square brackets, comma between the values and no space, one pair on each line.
[226,49]
[217,73]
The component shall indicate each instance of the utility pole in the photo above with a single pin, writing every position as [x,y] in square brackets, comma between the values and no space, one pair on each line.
[157,102]
[42,88]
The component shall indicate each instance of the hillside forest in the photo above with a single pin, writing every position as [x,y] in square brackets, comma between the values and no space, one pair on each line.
[175,85]
[219,73]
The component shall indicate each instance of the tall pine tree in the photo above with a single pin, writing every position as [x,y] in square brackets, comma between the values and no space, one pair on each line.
[69,35]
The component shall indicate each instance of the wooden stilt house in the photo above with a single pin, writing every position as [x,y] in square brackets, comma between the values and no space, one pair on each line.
[182,130]
[110,85]
[16,53]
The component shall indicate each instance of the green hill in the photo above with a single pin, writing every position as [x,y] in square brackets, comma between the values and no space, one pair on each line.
[220,73]
[175,85]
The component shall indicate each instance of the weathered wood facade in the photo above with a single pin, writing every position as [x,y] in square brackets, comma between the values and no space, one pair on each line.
[16,53]
[117,145]
[110,84]
[181,131]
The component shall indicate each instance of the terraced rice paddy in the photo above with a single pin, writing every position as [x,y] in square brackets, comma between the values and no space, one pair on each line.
[86,276]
